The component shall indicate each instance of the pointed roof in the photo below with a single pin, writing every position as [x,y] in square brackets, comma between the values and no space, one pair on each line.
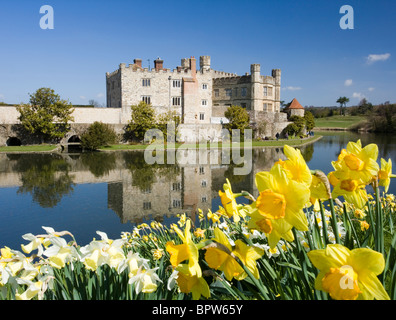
[295,105]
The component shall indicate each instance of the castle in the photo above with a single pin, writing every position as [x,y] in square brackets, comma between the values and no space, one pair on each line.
[200,96]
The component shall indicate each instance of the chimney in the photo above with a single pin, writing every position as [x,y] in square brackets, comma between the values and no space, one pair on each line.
[158,64]
[193,67]
[138,62]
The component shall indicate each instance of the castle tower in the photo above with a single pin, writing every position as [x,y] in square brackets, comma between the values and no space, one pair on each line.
[276,74]
[204,63]
[256,93]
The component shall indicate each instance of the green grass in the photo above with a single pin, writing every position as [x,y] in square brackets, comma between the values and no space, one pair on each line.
[343,122]
[266,143]
[33,148]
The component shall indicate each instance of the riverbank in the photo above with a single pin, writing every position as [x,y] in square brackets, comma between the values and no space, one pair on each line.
[44,148]
[255,144]
[141,147]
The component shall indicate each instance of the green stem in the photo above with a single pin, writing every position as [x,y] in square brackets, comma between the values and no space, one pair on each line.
[334,221]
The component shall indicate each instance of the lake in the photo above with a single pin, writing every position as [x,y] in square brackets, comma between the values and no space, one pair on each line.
[113,191]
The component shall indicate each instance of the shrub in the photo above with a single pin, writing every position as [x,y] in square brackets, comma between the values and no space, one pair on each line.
[98,135]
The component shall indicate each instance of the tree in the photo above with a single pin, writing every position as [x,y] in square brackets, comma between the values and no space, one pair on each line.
[309,120]
[142,119]
[46,116]
[238,118]
[342,101]
[98,135]
[167,118]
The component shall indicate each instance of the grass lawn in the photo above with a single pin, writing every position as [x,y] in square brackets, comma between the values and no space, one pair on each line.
[343,122]
[33,148]
[266,143]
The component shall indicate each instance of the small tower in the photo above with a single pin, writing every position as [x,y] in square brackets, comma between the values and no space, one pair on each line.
[255,93]
[204,63]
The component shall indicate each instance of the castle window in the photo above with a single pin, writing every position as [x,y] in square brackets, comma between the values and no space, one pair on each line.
[204,102]
[270,91]
[265,91]
[216,92]
[176,83]
[176,101]
[176,203]
[146,82]
[228,92]
[203,183]
[201,116]
[146,99]
[236,92]
[243,92]
[146,205]
[176,186]
[265,107]
[243,105]
[204,86]
[201,170]
[270,107]
[204,199]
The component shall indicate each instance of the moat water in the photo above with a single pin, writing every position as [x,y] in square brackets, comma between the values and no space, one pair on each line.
[112,192]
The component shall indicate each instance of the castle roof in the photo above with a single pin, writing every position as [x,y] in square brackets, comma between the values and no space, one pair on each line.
[295,105]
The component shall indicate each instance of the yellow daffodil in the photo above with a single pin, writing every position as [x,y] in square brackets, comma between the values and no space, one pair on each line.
[158,253]
[220,258]
[248,255]
[279,206]
[349,274]
[357,163]
[318,189]
[228,201]
[185,251]
[188,282]
[213,216]
[199,233]
[385,173]
[353,192]
[296,166]
[364,225]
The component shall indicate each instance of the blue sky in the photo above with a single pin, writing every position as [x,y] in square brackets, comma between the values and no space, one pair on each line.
[319,61]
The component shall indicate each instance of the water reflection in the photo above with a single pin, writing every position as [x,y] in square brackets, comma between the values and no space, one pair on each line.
[85,192]
[136,189]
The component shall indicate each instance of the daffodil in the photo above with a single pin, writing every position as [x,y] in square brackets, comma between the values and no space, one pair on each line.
[248,255]
[349,274]
[385,173]
[185,251]
[220,258]
[35,243]
[59,253]
[353,192]
[189,283]
[279,206]
[357,163]
[32,290]
[296,166]
[228,201]
[145,280]
[104,251]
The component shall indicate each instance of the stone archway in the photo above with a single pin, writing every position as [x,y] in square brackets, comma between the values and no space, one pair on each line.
[13,141]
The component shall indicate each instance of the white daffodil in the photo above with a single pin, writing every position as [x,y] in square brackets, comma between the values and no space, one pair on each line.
[145,280]
[33,289]
[35,243]
[59,253]
[172,280]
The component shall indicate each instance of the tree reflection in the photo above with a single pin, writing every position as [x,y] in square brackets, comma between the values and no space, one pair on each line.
[46,178]
[144,175]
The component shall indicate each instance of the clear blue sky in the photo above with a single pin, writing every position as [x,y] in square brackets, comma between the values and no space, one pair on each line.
[320,61]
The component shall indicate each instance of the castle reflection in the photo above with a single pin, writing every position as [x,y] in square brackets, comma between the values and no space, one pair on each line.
[137,191]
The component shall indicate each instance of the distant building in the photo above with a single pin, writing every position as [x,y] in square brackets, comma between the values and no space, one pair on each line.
[295,109]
